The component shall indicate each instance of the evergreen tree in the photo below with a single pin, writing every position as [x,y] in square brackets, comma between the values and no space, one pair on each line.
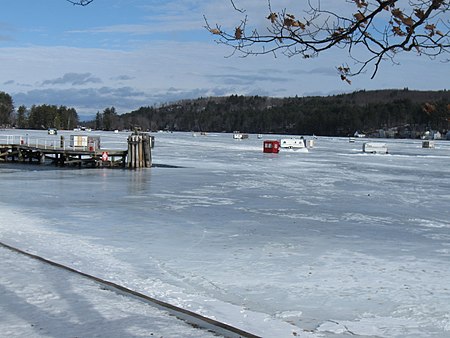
[109,118]
[6,108]
[98,121]
[22,118]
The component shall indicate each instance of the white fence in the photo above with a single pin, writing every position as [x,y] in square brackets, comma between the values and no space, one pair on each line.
[42,143]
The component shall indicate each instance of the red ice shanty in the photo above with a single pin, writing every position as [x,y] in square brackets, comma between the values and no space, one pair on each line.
[271,146]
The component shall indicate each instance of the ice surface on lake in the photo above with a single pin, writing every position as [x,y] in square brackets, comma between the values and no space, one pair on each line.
[325,243]
[39,300]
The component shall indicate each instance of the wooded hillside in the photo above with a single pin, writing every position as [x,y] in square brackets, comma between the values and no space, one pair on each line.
[403,113]
[365,111]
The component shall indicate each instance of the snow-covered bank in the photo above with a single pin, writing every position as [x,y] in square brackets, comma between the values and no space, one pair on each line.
[318,244]
[38,300]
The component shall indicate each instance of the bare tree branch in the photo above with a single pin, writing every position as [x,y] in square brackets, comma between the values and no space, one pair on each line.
[373,32]
[80,2]
[237,9]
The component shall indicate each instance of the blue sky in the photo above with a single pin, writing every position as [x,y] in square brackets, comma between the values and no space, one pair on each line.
[133,53]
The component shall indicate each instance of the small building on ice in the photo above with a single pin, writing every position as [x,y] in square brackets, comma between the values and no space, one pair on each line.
[375,148]
[90,143]
[237,135]
[293,143]
[271,146]
[427,144]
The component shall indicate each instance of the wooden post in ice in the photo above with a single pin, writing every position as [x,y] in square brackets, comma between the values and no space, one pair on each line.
[147,149]
[139,151]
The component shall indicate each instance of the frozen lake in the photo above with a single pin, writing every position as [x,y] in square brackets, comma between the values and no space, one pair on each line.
[326,243]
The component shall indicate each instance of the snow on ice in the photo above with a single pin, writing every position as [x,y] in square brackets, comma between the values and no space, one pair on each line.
[328,243]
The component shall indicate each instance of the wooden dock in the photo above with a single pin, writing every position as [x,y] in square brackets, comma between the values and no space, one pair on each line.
[61,155]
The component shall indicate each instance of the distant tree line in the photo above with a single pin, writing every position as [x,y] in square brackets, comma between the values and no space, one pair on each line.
[37,116]
[46,116]
[339,115]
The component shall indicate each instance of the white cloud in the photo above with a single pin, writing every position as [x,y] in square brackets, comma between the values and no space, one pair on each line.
[122,78]
[74,79]
[157,71]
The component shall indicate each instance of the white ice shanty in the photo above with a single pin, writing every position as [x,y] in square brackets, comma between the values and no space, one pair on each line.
[375,148]
[237,135]
[293,144]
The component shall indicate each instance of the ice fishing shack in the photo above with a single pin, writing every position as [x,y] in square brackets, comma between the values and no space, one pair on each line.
[375,148]
[86,142]
[271,146]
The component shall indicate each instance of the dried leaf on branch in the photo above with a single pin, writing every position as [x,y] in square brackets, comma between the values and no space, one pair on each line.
[272,17]
[215,31]
[408,21]
[360,3]
[359,16]
[238,33]
[397,31]
[419,13]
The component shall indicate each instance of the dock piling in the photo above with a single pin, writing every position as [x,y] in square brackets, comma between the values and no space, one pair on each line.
[139,150]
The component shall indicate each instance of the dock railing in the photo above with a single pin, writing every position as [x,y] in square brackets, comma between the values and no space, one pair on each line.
[42,143]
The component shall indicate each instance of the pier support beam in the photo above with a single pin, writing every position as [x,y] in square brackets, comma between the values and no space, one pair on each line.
[139,150]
